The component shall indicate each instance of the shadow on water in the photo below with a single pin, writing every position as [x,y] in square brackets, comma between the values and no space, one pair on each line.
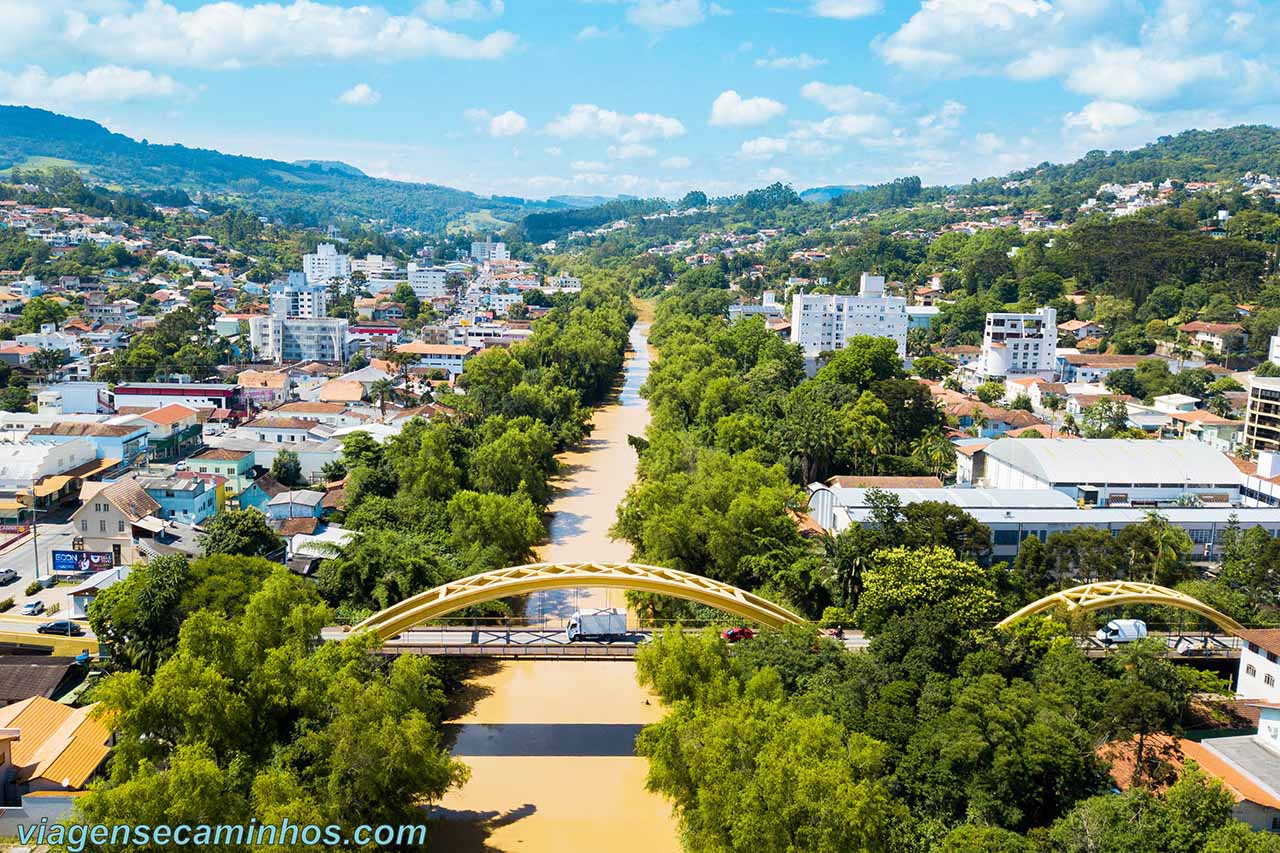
[544,739]
[464,687]
[470,830]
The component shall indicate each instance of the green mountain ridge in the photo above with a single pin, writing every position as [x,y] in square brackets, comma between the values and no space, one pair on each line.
[304,193]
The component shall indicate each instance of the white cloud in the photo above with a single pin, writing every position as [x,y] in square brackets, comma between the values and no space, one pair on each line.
[658,16]
[631,151]
[231,35]
[732,110]
[774,174]
[510,123]
[1105,116]
[677,163]
[988,143]
[461,10]
[589,120]
[588,166]
[945,118]
[801,62]
[554,151]
[107,83]
[842,126]
[763,148]
[591,32]
[845,99]
[360,95]
[846,10]
[1138,74]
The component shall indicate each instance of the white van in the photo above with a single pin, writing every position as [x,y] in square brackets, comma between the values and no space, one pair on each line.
[1122,631]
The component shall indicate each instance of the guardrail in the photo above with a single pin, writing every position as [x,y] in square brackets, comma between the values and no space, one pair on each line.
[549,651]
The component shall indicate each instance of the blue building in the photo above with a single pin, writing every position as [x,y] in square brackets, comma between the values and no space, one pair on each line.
[186,499]
[260,492]
[128,443]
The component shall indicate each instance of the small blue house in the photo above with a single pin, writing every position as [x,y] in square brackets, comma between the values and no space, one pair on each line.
[258,493]
[186,499]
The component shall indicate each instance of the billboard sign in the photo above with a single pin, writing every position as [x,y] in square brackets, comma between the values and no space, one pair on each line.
[80,562]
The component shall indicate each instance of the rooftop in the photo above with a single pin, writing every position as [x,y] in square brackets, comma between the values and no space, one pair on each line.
[1116,460]
[56,742]
[1266,638]
[169,415]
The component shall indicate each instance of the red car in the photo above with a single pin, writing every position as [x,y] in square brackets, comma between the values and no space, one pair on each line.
[733,635]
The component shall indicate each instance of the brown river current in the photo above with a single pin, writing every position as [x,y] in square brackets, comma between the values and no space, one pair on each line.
[549,743]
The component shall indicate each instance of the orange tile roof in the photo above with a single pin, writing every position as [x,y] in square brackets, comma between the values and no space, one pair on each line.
[169,415]
[56,742]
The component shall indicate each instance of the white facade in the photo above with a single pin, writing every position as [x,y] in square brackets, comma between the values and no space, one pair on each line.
[298,298]
[299,339]
[1020,344]
[326,264]
[50,338]
[427,282]
[500,302]
[490,251]
[825,322]
[1258,673]
[22,465]
[566,282]
[374,266]
[1273,354]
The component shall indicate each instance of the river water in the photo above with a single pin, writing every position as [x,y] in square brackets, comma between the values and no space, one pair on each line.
[549,743]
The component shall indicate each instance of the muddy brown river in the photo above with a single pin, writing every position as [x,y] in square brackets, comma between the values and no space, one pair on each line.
[549,743]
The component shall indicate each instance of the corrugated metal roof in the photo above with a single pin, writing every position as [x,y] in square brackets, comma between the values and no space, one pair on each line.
[58,743]
[1116,460]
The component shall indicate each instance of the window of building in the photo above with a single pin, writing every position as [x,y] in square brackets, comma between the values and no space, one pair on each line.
[102,525]
[84,525]
[1269,680]
[120,526]
[1250,669]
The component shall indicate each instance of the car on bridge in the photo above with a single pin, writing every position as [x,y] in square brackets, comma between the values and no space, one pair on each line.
[733,635]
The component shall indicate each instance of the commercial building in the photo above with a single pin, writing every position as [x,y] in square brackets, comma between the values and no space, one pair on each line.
[113,516]
[1259,674]
[490,251]
[1262,414]
[195,395]
[1111,471]
[428,282]
[128,443]
[1013,515]
[299,339]
[447,357]
[1020,344]
[825,322]
[325,264]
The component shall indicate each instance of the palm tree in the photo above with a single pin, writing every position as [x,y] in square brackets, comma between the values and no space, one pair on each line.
[381,389]
[933,449]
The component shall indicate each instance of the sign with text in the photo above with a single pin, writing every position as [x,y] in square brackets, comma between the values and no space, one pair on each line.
[80,562]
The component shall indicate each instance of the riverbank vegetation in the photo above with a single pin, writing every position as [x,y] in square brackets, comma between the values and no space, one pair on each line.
[465,491]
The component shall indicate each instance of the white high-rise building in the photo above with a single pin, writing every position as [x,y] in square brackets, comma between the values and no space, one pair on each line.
[325,264]
[375,266]
[299,339]
[1020,344]
[825,322]
[490,251]
[298,298]
[427,282]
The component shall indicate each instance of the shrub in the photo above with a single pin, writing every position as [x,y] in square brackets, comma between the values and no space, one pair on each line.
[7,604]
[33,588]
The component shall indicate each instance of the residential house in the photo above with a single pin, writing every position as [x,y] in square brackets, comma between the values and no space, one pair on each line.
[1080,329]
[234,465]
[186,499]
[297,503]
[284,430]
[260,492]
[1215,336]
[264,389]
[174,430]
[50,747]
[113,516]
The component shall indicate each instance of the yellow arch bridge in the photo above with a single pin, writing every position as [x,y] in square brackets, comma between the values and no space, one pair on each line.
[1096,596]
[535,577]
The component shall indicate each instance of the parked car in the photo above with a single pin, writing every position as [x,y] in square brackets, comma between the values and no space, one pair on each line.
[733,635]
[65,627]
[32,608]
[1122,631]
[8,576]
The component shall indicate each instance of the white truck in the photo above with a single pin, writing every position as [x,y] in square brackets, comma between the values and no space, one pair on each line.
[1122,631]
[596,625]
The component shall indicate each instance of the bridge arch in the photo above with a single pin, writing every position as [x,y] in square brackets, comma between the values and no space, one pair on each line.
[1096,596]
[534,577]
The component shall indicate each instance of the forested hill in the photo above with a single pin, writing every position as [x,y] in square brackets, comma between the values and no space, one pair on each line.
[308,193]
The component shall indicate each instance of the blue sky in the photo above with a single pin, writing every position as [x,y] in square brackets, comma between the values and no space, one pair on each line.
[648,97]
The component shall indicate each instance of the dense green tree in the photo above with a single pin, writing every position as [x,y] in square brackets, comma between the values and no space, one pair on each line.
[241,532]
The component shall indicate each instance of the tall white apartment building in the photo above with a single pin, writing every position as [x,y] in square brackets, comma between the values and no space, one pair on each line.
[427,282]
[375,266]
[825,322]
[325,264]
[490,251]
[1020,344]
[299,338]
[297,298]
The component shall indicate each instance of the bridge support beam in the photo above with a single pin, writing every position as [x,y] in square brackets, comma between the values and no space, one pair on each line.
[520,580]
[1096,596]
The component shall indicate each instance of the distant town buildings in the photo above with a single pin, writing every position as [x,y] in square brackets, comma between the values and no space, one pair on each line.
[325,264]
